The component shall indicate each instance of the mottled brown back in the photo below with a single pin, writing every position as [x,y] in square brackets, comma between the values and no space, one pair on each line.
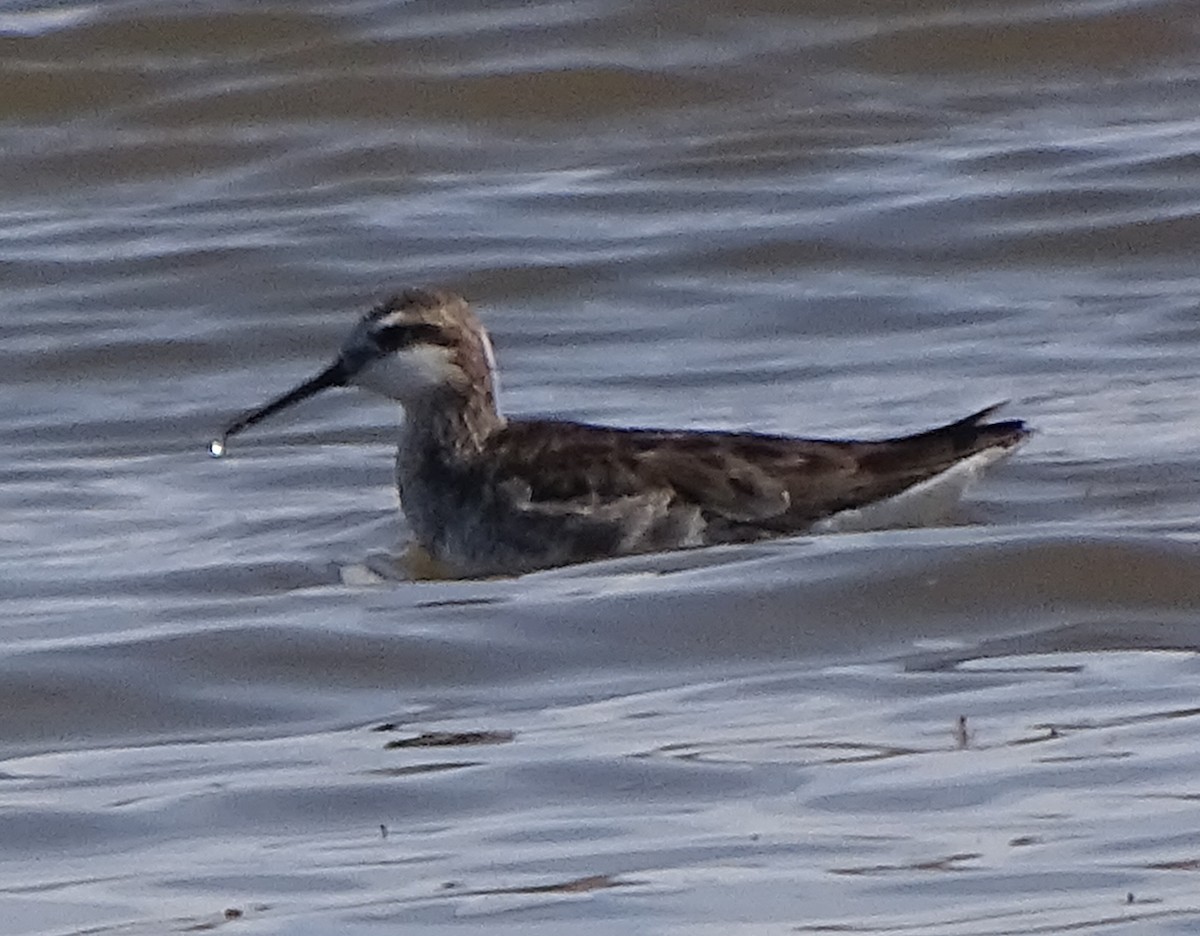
[773,482]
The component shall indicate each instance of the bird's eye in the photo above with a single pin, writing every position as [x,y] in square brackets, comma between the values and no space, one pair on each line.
[395,337]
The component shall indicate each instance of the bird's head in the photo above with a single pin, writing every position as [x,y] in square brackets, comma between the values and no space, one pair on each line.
[421,347]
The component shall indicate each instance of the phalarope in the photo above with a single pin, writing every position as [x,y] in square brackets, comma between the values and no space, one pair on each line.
[486,495]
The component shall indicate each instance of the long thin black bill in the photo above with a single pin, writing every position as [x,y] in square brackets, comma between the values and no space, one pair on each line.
[333,376]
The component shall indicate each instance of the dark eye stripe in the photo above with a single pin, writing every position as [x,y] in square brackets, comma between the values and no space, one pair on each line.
[394,337]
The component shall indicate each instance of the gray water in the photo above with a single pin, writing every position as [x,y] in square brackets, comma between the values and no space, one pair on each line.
[222,703]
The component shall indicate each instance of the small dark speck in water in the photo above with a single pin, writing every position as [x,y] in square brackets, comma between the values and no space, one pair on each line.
[451,739]
[459,603]
[962,737]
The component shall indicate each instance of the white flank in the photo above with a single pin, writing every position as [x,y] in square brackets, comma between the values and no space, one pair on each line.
[922,504]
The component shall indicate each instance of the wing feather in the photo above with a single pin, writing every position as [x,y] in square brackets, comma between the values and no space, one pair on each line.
[740,479]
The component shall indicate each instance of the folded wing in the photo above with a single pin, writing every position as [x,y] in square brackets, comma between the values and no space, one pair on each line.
[742,484]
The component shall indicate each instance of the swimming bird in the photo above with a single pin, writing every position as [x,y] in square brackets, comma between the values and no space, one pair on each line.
[486,495]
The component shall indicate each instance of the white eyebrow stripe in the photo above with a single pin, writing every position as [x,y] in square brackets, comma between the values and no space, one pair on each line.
[391,319]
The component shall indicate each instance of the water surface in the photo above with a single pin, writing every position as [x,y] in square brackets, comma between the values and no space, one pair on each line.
[223,704]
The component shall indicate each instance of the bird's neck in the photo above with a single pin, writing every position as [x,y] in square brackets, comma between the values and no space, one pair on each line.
[451,426]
